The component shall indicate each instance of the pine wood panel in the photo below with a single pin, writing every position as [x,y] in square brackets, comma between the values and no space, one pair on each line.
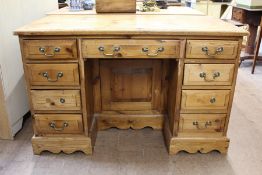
[128,85]
[194,49]
[115,6]
[197,125]
[202,145]
[214,74]
[73,121]
[96,79]
[131,48]
[130,25]
[66,144]
[130,119]
[174,93]
[67,49]
[69,71]
[87,95]
[197,100]
[56,100]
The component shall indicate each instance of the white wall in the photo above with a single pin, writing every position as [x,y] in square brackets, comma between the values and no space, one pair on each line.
[13,14]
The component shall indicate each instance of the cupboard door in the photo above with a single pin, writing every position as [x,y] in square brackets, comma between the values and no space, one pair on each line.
[130,85]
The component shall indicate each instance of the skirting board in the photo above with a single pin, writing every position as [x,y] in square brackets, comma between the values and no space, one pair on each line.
[194,144]
[62,144]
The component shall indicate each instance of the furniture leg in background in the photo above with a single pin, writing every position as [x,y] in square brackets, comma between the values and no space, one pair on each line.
[252,18]
[258,42]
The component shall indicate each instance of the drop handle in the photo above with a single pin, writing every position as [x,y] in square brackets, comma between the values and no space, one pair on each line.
[115,49]
[154,53]
[208,123]
[53,126]
[46,75]
[218,51]
[214,76]
[44,52]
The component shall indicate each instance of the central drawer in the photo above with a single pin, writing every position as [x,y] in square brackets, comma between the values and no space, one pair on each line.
[131,48]
[205,100]
[56,100]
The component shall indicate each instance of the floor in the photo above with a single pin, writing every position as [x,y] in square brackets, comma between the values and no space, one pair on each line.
[143,151]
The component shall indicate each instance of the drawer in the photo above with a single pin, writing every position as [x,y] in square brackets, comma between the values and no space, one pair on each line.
[201,125]
[56,100]
[208,100]
[218,49]
[53,74]
[58,123]
[49,49]
[131,48]
[208,74]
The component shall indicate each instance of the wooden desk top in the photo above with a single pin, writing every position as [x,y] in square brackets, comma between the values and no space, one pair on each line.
[130,24]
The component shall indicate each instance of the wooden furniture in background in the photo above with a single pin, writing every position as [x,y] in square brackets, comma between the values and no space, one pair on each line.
[115,6]
[62,5]
[252,18]
[258,42]
[87,73]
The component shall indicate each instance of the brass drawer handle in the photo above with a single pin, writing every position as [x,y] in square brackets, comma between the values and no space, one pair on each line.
[55,50]
[58,75]
[212,100]
[218,51]
[62,100]
[53,125]
[204,75]
[146,50]
[208,123]
[115,50]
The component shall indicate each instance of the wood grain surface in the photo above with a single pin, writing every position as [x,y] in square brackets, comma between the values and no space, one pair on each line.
[130,24]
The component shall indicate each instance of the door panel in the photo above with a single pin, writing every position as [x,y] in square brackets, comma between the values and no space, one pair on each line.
[130,85]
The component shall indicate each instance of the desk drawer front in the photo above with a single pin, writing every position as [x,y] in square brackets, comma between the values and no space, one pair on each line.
[216,49]
[208,74]
[58,123]
[201,124]
[53,74]
[56,100]
[194,100]
[50,49]
[131,48]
